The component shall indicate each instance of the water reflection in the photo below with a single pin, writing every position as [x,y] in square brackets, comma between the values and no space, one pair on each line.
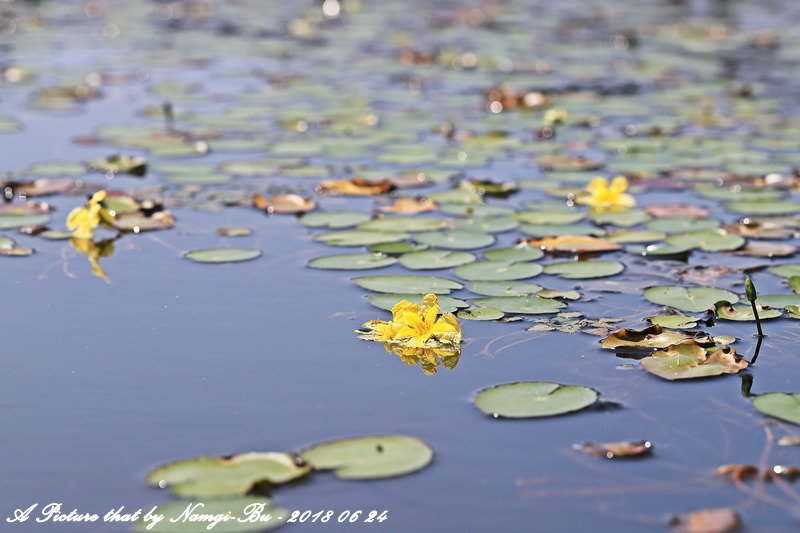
[427,357]
[93,251]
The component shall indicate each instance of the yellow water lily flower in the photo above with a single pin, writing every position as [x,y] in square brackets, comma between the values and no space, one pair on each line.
[414,326]
[554,115]
[83,220]
[601,196]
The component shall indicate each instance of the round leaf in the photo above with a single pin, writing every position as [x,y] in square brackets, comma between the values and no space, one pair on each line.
[497,271]
[359,238]
[408,284]
[781,406]
[480,313]
[523,305]
[533,399]
[388,301]
[222,255]
[455,240]
[333,219]
[407,224]
[435,259]
[503,288]
[370,457]
[352,261]
[584,269]
[691,299]
[514,254]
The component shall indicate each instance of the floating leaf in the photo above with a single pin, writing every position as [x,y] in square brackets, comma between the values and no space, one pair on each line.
[710,240]
[355,187]
[370,457]
[455,240]
[480,313]
[575,244]
[681,224]
[138,222]
[515,254]
[611,450]
[627,218]
[388,301]
[404,224]
[549,217]
[503,288]
[215,477]
[397,248]
[719,520]
[556,230]
[769,207]
[359,238]
[779,300]
[636,236]
[410,206]
[690,360]
[283,203]
[691,299]
[234,231]
[248,515]
[333,219]
[584,269]
[18,221]
[486,224]
[787,270]
[497,271]
[522,305]
[533,399]
[651,338]
[364,261]
[673,321]
[767,249]
[573,323]
[222,255]
[779,405]
[435,259]
[727,311]
[408,284]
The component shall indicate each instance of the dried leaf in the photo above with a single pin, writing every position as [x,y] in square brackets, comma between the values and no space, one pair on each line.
[611,450]
[575,244]
[355,187]
[676,210]
[718,520]
[283,203]
[410,206]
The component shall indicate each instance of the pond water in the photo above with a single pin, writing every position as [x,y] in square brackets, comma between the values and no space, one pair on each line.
[164,359]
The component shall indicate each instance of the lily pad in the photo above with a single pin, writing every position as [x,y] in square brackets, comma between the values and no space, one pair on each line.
[497,271]
[689,360]
[769,207]
[222,255]
[216,477]
[585,269]
[404,224]
[455,240]
[778,300]
[486,224]
[397,248]
[779,405]
[514,254]
[522,305]
[503,288]
[575,244]
[727,311]
[247,515]
[681,224]
[652,338]
[370,457]
[408,284]
[533,399]
[691,299]
[359,238]
[674,321]
[480,313]
[710,240]
[388,301]
[435,259]
[364,261]
[17,221]
[787,271]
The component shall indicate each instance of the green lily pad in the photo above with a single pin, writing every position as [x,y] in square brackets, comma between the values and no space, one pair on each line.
[779,405]
[364,261]
[631,217]
[404,224]
[435,259]
[710,240]
[672,225]
[770,207]
[486,224]
[359,238]
[17,221]
[636,236]
[388,301]
[480,313]
[691,299]
[333,219]
[503,288]
[561,218]
[533,399]
[370,457]
[522,305]
[787,271]
[584,269]
[216,477]
[222,255]
[689,361]
[514,254]
[408,284]
[248,515]
[397,248]
[674,321]
[557,230]
[778,300]
[455,240]
[497,271]
[727,311]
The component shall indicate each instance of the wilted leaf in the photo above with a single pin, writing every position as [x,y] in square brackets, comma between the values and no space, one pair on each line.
[611,450]
[720,520]
[410,206]
[355,187]
[690,360]
[283,203]
[652,338]
[575,244]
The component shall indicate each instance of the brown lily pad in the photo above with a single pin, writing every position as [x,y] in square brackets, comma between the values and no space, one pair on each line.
[690,361]
[737,473]
[410,206]
[767,249]
[613,450]
[676,210]
[283,203]
[355,187]
[716,520]
[572,244]
[653,338]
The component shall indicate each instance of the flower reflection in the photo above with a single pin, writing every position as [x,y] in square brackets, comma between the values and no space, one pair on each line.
[93,252]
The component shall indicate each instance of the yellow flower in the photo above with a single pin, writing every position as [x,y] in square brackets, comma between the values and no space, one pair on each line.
[554,115]
[83,220]
[414,326]
[601,196]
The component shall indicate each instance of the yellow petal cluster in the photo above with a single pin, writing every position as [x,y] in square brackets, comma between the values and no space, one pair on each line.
[417,334]
[554,115]
[602,196]
[83,220]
